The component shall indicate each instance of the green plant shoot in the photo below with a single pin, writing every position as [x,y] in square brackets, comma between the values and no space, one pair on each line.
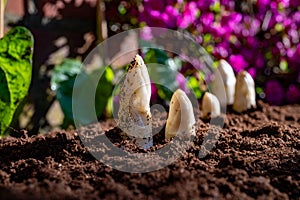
[16,49]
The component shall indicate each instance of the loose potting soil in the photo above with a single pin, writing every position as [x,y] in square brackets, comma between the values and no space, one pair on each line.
[256,156]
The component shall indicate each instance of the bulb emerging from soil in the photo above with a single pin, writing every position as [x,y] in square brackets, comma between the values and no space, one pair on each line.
[244,97]
[224,79]
[181,119]
[229,80]
[210,106]
[134,112]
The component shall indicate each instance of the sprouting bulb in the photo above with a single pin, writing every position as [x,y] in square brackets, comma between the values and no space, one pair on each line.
[229,80]
[244,97]
[210,106]
[181,117]
[134,112]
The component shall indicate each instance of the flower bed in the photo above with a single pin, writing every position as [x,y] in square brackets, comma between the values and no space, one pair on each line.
[260,36]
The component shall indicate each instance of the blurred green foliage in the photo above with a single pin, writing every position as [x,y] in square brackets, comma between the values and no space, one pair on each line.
[63,80]
[162,75]
[167,73]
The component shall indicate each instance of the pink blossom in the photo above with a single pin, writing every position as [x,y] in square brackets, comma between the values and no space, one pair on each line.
[238,63]
[207,19]
[250,41]
[182,82]
[252,72]
[205,5]
[188,16]
[146,33]
[172,14]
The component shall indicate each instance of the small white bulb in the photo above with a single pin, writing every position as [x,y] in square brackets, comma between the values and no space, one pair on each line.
[210,106]
[218,88]
[229,80]
[244,97]
[134,111]
[181,119]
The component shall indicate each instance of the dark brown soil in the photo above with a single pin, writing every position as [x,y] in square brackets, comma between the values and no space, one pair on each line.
[257,156]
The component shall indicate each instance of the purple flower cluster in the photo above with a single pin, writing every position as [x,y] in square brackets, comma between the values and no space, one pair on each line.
[259,36]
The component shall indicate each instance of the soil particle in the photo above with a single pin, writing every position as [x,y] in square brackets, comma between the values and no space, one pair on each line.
[256,155]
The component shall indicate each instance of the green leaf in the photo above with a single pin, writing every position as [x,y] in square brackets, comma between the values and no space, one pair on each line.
[156,56]
[63,79]
[16,49]
[62,73]
[104,89]
[5,111]
[193,84]
[62,82]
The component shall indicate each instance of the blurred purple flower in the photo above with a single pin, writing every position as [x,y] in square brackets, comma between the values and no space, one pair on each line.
[293,94]
[274,92]
[250,26]
[188,16]
[252,42]
[146,33]
[180,79]
[154,13]
[259,61]
[252,72]
[281,48]
[263,3]
[298,50]
[262,6]
[284,3]
[153,5]
[295,3]
[273,5]
[205,5]
[154,93]
[248,53]
[196,63]
[294,35]
[247,40]
[229,4]
[207,19]
[199,39]
[279,17]
[172,14]
[296,17]
[238,63]
[231,20]
[184,21]
[221,50]
[290,53]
